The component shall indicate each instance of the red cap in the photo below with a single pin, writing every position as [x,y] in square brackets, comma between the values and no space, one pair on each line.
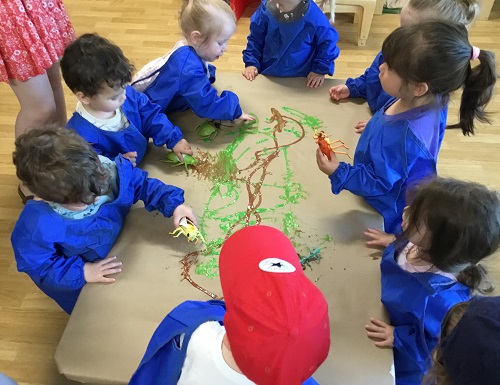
[276,320]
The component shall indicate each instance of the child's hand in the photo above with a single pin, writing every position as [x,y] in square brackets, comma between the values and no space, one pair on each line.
[339,92]
[246,117]
[97,271]
[250,72]
[182,211]
[325,165]
[379,238]
[315,80]
[182,147]
[380,332]
[132,156]
[360,127]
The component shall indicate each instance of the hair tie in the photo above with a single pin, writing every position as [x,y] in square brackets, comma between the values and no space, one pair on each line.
[475,53]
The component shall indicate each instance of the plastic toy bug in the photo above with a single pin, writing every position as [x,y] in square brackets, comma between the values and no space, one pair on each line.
[209,129]
[326,145]
[187,228]
[171,157]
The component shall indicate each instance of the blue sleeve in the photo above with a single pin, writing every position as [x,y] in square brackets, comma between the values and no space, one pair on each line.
[155,194]
[203,99]
[37,256]
[252,55]
[368,86]
[361,180]
[155,123]
[419,339]
[326,51]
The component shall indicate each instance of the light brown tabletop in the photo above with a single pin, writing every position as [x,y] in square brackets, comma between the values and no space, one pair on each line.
[279,185]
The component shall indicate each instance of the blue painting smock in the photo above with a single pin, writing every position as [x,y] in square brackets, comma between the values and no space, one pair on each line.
[146,120]
[417,304]
[52,249]
[291,49]
[393,153]
[185,82]
[164,358]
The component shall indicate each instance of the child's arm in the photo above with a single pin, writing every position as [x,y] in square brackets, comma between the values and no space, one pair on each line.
[157,126]
[203,99]
[326,51]
[368,86]
[359,179]
[252,54]
[157,195]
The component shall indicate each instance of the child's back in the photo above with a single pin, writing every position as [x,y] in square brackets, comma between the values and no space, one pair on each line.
[448,228]
[183,78]
[81,206]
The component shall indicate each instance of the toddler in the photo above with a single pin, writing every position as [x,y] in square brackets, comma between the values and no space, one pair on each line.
[400,145]
[290,38]
[63,236]
[449,227]
[469,347]
[273,328]
[182,78]
[368,85]
[113,117]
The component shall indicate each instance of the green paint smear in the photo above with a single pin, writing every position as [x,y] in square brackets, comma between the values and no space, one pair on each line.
[223,176]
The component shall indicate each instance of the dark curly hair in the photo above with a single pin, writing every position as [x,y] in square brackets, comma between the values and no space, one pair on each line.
[58,165]
[91,62]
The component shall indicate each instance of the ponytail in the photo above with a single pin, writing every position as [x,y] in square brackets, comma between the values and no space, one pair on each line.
[477,92]
[476,277]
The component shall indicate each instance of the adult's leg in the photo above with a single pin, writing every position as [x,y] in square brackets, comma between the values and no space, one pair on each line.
[36,99]
[57,89]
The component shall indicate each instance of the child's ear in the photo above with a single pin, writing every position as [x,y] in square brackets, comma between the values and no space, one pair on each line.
[420,89]
[195,38]
[82,98]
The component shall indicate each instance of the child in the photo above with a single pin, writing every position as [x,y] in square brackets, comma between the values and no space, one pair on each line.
[113,117]
[469,348]
[291,38]
[182,78]
[400,144]
[62,237]
[448,229]
[368,85]
[275,331]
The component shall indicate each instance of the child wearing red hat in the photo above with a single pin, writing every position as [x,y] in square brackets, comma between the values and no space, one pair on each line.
[272,314]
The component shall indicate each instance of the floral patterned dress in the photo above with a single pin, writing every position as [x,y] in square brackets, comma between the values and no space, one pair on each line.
[33,35]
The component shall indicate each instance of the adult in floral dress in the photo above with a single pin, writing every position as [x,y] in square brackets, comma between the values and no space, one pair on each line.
[33,35]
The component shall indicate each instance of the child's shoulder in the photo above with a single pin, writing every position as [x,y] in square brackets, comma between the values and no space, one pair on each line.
[36,217]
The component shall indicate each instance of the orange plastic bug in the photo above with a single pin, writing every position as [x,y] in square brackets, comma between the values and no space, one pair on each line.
[326,145]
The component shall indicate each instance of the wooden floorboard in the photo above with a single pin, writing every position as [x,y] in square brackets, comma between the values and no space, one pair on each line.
[31,324]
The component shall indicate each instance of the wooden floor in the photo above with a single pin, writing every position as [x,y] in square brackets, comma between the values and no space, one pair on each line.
[31,324]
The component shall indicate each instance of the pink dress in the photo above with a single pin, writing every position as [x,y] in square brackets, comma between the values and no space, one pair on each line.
[33,35]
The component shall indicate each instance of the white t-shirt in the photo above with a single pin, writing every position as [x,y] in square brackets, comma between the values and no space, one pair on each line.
[204,363]
[114,124]
[405,265]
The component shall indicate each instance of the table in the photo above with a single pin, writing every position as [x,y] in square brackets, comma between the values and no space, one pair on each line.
[111,325]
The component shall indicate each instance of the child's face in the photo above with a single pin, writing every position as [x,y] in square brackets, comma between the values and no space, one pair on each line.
[217,45]
[390,80]
[107,100]
[418,236]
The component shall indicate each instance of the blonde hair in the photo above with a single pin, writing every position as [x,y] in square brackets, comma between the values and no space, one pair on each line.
[458,11]
[438,375]
[205,16]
